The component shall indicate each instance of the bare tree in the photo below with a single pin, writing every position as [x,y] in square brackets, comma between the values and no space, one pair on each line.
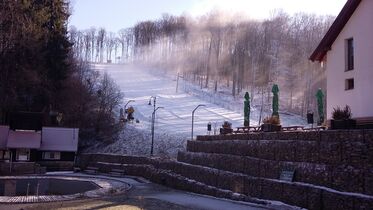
[101,34]
[248,55]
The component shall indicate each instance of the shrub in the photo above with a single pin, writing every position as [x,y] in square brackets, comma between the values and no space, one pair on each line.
[341,114]
[227,124]
[274,120]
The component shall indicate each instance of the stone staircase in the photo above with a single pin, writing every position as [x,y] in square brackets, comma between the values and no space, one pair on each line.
[333,170]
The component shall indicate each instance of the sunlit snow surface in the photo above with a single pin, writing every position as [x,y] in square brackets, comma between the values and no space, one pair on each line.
[175,119]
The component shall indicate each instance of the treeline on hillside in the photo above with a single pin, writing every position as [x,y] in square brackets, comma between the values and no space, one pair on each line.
[217,49]
[39,73]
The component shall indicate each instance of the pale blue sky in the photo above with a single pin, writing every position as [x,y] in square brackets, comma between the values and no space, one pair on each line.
[117,14]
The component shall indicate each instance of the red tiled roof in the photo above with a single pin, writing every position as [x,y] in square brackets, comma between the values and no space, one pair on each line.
[334,30]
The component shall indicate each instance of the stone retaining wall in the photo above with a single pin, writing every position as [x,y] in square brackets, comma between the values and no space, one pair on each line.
[20,168]
[208,181]
[345,148]
[340,135]
[341,177]
[341,160]
[57,165]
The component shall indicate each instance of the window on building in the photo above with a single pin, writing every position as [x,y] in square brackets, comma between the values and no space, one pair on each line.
[6,155]
[349,54]
[23,155]
[349,84]
[51,155]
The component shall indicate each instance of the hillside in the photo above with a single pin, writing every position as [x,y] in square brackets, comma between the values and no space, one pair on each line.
[173,122]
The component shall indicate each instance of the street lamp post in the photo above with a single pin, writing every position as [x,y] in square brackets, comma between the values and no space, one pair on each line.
[199,105]
[150,103]
[154,101]
[153,117]
[153,122]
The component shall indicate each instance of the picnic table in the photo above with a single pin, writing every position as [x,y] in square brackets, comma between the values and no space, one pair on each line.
[293,128]
[318,128]
[247,129]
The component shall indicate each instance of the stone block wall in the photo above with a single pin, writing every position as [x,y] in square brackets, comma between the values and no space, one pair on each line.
[342,177]
[20,168]
[353,147]
[84,160]
[205,180]
[333,169]
[57,165]
[301,151]
[342,160]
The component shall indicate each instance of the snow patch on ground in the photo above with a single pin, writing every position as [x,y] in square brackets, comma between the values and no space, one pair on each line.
[173,122]
[134,140]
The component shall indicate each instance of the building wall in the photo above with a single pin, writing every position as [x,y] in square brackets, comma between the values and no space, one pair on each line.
[360,99]
[59,139]
[4,131]
[64,156]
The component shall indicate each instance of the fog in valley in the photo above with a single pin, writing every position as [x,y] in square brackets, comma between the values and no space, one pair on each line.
[222,53]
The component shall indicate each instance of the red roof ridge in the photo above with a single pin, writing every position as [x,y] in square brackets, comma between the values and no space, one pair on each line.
[334,30]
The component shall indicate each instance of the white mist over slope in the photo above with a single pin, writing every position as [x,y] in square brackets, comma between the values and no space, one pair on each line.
[173,122]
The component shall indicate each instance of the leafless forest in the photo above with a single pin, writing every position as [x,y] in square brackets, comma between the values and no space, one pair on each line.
[219,51]
[38,72]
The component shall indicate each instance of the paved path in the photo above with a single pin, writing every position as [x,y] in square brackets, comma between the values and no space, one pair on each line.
[145,195]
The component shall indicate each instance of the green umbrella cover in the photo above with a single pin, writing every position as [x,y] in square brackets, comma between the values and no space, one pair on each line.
[275,91]
[320,105]
[247,110]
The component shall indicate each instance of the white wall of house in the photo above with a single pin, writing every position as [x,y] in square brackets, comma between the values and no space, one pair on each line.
[59,139]
[360,99]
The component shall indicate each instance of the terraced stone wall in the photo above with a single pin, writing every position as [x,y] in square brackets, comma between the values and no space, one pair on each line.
[342,160]
[222,183]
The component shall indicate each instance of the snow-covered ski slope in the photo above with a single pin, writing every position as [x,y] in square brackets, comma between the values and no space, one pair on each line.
[175,118]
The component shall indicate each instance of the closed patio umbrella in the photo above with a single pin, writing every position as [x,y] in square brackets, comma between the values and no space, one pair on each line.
[320,105]
[275,91]
[247,110]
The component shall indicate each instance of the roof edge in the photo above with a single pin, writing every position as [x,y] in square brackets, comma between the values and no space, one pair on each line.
[334,30]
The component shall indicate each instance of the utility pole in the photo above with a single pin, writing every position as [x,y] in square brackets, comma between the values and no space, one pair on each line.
[153,119]
[152,146]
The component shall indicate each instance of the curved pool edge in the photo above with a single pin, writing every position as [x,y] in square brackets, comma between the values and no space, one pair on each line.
[108,186]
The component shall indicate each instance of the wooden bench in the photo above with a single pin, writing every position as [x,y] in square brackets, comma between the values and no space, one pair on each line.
[293,128]
[247,129]
[91,170]
[318,128]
